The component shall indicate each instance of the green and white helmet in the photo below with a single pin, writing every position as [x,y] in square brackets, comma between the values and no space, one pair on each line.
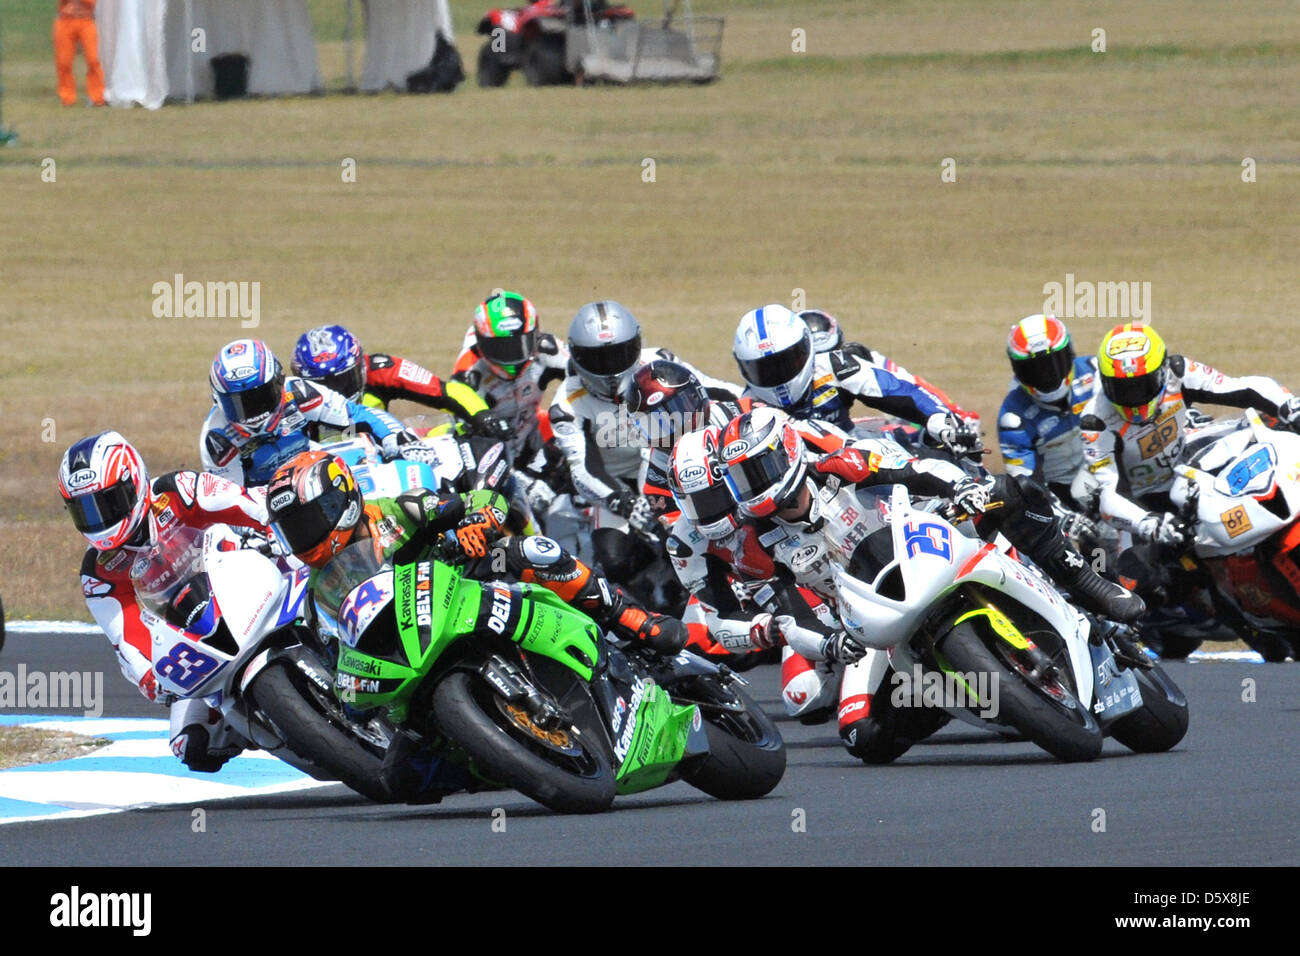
[505,330]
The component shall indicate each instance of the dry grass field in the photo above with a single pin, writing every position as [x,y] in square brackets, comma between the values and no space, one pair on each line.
[817,171]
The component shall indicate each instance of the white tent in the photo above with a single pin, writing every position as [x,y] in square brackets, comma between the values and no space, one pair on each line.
[154,50]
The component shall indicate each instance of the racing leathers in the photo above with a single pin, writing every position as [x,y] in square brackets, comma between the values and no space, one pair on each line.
[604,453]
[1128,467]
[199,736]
[391,377]
[1044,441]
[846,375]
[251,460]
[517,401]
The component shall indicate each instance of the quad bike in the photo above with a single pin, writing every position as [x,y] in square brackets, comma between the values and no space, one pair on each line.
[562,41]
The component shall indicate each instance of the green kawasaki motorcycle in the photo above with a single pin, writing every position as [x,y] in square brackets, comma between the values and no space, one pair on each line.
[524,691]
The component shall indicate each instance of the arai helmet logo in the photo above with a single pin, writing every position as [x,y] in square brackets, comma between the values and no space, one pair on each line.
[735,449]
[80,479]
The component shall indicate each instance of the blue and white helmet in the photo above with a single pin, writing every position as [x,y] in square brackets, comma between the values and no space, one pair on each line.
[774,349]
[248,383]
[330,355]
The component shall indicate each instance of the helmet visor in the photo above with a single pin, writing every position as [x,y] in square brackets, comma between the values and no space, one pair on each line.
[1046,371]
[350,383]
[1133,392]
[612,359]
[508,349]
[301,527]
[100,510]
[779,368]
[708,505]
[253,404]
[756,477]
[676,415]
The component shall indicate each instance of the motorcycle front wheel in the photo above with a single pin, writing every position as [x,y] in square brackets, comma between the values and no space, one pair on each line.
[313,724]
[746,753]
[1045,711]
[557,767]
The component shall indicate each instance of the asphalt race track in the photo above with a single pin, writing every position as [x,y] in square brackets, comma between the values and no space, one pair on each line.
[1228,795]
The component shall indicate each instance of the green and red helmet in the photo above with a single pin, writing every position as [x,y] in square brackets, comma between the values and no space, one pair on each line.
[505,331]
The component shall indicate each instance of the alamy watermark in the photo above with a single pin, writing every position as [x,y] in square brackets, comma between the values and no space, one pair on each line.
[208,300]
[78,909]
[654,428]
[22,689]
[976,690]
[1084,299]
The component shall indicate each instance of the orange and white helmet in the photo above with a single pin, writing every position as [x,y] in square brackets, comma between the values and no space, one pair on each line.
[314,506]
[698,484]
[105,488]
[1133,363]
[1042,358]
[764,457]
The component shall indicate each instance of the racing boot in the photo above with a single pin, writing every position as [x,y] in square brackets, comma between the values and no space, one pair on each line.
[1025,515]
[1068,568]
[659,632]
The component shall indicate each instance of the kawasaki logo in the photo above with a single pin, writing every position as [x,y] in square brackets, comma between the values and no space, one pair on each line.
[359,663]
[629,728]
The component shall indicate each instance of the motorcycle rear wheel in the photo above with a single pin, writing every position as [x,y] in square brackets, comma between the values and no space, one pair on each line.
[466,709]
[311,726]
[1066,731]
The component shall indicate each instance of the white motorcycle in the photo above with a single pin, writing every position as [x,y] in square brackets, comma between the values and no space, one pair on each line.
[226,626]
[991,640]
[1239,487]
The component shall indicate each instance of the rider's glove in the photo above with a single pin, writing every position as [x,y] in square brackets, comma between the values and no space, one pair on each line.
[948,430]
[642,519]
[417,451]
[848,463]
[1288,413]
[843,648]
[393,445]
[622,502]
[490,425]
[478,530]
[969,498]
[764,632]
[1163,529]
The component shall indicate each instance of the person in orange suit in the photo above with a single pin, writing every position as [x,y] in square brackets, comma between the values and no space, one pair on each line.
[75,24]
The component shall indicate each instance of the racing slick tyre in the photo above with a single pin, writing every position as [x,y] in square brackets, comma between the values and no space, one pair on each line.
[558,768]
[493,71]
[1048,713]
[314,726]
[1160,722]
[746,753]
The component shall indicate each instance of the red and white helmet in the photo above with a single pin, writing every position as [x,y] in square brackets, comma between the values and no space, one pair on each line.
[763,455]
[105,488]
[698,484]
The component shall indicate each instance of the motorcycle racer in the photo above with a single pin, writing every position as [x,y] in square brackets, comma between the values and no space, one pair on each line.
[1134,430]
[122,513]
[316,509]
[598,437]
[510,362]
[331,356]
[811,501]
[1038,423]
[260,418]
[773,348]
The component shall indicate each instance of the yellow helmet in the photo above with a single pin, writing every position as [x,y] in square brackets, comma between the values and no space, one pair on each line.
[1133,362]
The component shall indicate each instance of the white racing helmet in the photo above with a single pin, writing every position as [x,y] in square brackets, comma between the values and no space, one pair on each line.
[698,486]
[774,349]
